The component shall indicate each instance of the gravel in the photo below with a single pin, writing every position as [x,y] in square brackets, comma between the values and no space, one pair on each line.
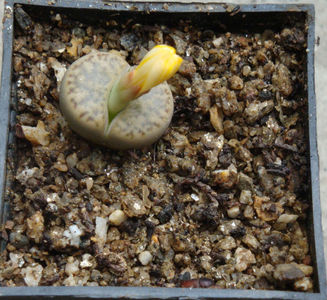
[221,200]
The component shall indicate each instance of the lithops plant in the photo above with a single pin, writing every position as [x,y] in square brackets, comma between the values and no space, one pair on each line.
[109,103]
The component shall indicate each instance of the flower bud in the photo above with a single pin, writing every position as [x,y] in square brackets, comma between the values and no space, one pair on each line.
[158,65]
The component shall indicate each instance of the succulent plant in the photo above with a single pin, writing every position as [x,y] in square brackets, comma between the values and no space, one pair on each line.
[109,103]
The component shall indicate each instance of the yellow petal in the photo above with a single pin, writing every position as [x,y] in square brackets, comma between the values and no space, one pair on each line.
[158,65]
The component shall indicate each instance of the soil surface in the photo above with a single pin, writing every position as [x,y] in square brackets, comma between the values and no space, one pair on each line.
[219,201]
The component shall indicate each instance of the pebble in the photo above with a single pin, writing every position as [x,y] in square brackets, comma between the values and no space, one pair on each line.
[287,218]
[133,206]
[236,83]
[35,226]
[72,266]
[32,275]
[248,212]
[288,272]
[227,243]
[61,167]
[282,79]
[72,160]
[73,234]
[27,174]
[205,262]
[246,197]
[245,182]
[227,227]
[101,228]
[88,182]
[246,70]
[86,261]
[304,284]
[251,241]
[37,135]
[117,217]
[244,258]
[17,259]
[58,68]
[18,240]
[233,212]
[145,257]
[218,42]
[307,270]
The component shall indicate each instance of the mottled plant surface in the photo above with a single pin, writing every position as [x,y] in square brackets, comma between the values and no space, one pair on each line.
[219,201]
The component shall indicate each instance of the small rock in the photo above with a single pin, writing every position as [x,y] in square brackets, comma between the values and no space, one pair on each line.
[26,176]
[256,110]
[88,182]
[32,275]
[236,83]
[217,118]
[287,218]
[165,214]
[246,197]
[251,241]
[246,70]
[133,206]
[227,227]
[288,272]
[205,262]
[86,261]
[226,243]
[233,212]
[282,79]
[226,178]
[128,41]
[245,182]
[35,226]
[17,259]
[168,269]
[76,47]
[180,44]
[72,266]
[115,262]
[72,160]
[267,210]
[248,212]
[307,270]
[304,284]
[218,42]
[36,135]
[101,228]
[117,217]
[187,68]
[73,234]
[58,68]
[244,258]
[60,167]
[145,257]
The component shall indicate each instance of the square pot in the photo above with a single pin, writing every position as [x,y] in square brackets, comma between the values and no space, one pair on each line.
[247,16]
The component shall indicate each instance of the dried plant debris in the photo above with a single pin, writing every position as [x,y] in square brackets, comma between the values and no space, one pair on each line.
[220,201]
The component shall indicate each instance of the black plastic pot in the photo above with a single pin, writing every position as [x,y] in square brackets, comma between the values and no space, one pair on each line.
[234,17]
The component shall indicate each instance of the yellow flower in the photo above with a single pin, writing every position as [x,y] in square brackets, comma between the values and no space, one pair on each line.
[158,65]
